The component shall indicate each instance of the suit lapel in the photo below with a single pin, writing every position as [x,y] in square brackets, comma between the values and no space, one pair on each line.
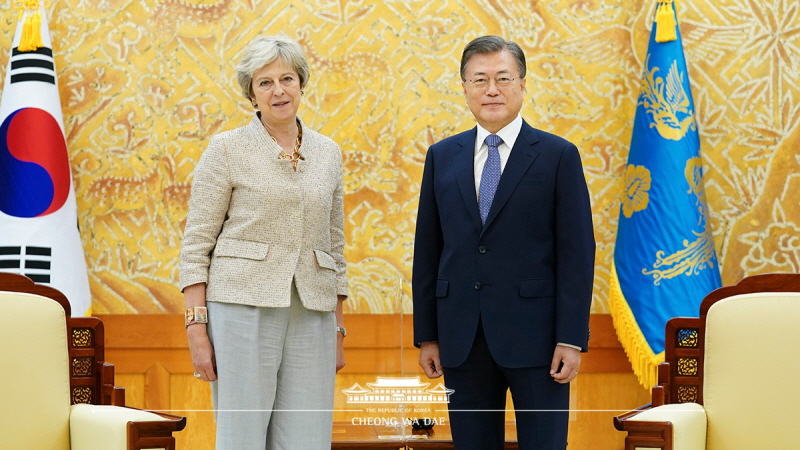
[520,159]
[464,161]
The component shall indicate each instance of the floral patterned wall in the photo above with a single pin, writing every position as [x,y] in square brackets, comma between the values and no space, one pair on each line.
[145,83]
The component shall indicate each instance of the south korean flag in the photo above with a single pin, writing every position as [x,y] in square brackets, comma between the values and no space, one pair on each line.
[39,235]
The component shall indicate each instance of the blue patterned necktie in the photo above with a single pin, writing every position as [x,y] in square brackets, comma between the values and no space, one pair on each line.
[490,176]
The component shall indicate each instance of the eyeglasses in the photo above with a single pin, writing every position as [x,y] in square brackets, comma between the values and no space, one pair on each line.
[286,82]
[500,82]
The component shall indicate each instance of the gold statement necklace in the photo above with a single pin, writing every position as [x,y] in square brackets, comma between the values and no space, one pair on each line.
[295,156]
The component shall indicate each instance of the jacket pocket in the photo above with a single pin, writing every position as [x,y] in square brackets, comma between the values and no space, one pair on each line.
[441,288]
[239,248]
[537,288]
[325,260]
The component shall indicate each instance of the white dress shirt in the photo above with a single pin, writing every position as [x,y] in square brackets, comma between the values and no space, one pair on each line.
[508,134]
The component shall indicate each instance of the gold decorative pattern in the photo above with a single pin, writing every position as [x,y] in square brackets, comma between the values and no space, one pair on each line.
[82,367]
[637,187]
[144,85]
[81,394]
[687,394]
[82,337]
[694,256]
[687,367]
[688,337]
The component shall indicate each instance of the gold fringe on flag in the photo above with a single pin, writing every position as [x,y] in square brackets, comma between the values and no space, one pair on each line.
[643,361]
[665,22]
[31,38]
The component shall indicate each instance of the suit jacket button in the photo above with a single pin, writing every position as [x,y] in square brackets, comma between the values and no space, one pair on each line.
[478,285]
[482,249]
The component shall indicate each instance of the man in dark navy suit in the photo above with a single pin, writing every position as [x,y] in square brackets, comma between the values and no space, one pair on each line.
[503,262]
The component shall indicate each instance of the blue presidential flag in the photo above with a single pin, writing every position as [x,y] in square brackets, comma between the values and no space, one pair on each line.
[664,259]
[39,235]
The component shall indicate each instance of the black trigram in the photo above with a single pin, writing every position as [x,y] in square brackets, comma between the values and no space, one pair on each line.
[34,263]
[33,66]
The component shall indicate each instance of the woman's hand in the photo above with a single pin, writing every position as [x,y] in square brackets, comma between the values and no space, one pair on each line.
[339,351]
[205,366]
[202,352]
[339,336]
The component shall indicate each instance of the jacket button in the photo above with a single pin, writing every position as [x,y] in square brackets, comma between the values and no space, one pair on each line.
[482,249]
[477,285]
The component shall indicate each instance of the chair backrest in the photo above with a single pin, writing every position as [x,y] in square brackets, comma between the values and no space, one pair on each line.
[34,380]
[751,372]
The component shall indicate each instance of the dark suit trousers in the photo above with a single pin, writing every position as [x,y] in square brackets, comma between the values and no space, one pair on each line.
[477,407]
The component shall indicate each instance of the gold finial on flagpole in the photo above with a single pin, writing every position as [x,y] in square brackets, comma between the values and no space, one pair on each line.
[665,22]
[31,37]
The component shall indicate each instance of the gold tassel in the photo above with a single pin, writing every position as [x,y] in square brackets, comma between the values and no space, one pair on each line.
[31,38]
[665,22]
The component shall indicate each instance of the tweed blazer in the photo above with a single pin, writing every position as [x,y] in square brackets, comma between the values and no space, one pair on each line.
[254,224]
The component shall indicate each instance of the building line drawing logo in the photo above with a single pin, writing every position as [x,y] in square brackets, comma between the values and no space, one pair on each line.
[398,390]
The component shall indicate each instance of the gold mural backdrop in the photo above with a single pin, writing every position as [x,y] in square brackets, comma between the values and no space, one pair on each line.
[145,83]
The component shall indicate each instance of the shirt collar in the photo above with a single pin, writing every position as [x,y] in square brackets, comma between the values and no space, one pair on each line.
[508,133]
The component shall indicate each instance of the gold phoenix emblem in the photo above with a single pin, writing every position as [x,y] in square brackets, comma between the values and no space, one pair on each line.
[667,102]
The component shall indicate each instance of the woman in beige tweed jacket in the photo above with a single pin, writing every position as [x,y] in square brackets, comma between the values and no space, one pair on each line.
[263,250]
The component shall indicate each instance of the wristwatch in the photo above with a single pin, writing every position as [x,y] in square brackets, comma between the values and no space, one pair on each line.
[342,330]
[196,314]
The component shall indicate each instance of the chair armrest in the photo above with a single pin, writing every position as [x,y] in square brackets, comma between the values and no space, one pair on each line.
[105,427]
[678,426]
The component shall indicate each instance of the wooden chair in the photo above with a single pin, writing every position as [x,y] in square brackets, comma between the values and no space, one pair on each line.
[731,377]
[57,390]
